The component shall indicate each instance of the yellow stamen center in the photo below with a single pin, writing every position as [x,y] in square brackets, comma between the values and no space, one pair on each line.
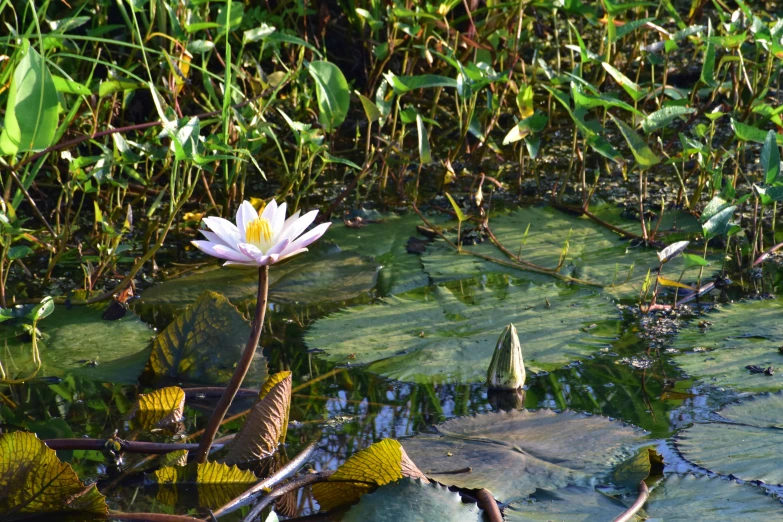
[259,233]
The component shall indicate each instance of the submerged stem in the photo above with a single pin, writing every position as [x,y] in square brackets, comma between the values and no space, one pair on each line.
[241,370]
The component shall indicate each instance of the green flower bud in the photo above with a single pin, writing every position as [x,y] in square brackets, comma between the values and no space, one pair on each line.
[507,369]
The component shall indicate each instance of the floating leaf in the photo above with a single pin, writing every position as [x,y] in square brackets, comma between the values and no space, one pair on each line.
[450,336]
[265,425]
[684,498]
[333,93]
[33,481]
[160,408]
[203,343]
[745,446]
[381,463]
[569,504]
[216,483]
[80,342]
[534,449]
[412,500]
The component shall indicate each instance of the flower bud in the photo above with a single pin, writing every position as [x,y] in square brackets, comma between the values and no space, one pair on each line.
[507,369]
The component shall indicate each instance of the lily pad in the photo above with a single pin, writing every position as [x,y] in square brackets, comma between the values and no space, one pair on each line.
[745,446]
[534,449]
[159,408]
[735,336]
[570,504]
[79,341]
[449,335]
[326,277]
[386,243]
[204,343]
[594,253]
[413,501]
[687,498]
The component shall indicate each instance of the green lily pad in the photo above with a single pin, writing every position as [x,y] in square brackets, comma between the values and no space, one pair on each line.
[513,454]
[386,243]
[745,446]
[413,501]
[734,336]
[594,253]
[327,276]
[448,335]
[79,341]
[686,498]
[570,504]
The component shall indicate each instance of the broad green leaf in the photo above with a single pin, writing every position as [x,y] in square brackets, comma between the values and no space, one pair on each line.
[237,14]
[633,90]
[718,224]
[185,350]
[69,86]
[33,481]
[381,463]
[663,117]
[692,260]
[746,447]
[333,93]
[737,335]
[403,84]
[770,158]
[257,33]
[424,142]
[264,426]
[708,66]
[19,252]
[714,206]
[31,114]
[645,157]
[534,449]
[672,251]
[685,498]
[569,504]
[412,500]
[216,483]
[754,134]
[161,408]
[370,109]
[80,342]
[450,335]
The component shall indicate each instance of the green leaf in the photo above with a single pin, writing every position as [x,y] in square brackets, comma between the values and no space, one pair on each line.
[370,109]
[409,499]
[569,504]
[333,93]
[662,118]
[381,463]
[633,90]
[740,334]
[403,84]
[160,408]
[185,350]
[692,260]
[424,143]
[718,224]
[69,86]
[216,483]
[751,133]
[237,14]
[770,158]
[35,482]
[457,210]
[258,33]
[535,450]
[19,252]
[645,157]
[441,338]
[708,66]
[31,115]
[746,447]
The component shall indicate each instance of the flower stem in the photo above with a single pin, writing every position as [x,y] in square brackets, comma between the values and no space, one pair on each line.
[241,370]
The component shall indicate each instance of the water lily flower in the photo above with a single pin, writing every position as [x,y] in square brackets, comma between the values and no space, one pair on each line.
[259,239]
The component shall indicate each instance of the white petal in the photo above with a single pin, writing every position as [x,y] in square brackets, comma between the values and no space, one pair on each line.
[278,247]
[309,237]
[289,221]
[250,251]
[250,264]
[220,251]
[286,255]
[300,226]
[212,237]
[278,220]
[245,214]
[225,229]
[269,210]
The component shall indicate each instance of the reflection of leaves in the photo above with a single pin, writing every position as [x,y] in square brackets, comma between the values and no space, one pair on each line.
[540,449]
[740,334]
[747,447]
[687,498]
[570,504]
[34,481]
[160,408]
[265,425]
[380,464]
[635,469]
[442,338]
[203,343]
[74,339]
[412,500]
[216,483]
